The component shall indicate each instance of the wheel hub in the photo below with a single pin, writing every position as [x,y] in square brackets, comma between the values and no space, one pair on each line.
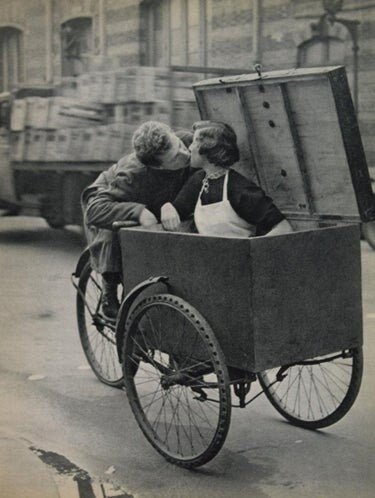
[176,378]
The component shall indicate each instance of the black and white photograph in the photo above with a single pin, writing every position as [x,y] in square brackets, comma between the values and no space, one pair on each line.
[187,248]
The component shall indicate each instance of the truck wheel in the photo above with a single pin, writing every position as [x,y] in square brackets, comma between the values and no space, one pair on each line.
[51,211]
[55,223]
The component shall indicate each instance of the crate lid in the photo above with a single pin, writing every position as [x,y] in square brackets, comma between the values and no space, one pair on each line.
[299,139]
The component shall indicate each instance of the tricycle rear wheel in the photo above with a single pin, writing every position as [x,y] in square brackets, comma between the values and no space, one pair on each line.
[176,380]
[315,393]
[96,333]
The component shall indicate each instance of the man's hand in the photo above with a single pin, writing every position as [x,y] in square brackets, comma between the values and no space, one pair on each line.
[169,217]
[147,219]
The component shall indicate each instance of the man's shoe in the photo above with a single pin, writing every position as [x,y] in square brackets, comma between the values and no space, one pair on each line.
[110,303]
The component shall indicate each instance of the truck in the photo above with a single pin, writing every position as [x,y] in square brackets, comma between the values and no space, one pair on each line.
[55,140]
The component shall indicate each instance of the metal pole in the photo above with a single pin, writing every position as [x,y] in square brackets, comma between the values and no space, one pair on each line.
[256,31]
[49,41]
[203,32]
[352,27]
[354,34]
[101,27]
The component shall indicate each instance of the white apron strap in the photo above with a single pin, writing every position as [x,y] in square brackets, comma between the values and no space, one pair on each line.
[225,186]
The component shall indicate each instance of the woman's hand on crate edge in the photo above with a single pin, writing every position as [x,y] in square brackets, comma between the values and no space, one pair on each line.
[169,217]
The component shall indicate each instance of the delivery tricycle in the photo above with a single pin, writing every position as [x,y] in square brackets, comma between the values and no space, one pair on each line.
[202,318]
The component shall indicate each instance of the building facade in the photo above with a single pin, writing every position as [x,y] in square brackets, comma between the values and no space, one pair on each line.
[42,41]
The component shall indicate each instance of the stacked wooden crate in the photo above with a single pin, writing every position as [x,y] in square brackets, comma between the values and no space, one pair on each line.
[95,115]
[137,94]
[44,128]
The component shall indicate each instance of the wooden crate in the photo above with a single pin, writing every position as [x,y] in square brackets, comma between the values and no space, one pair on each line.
[269,300]
[18,115]
[35,145]
[17,146]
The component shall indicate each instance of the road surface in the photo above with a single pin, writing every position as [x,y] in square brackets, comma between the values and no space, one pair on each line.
[61,429]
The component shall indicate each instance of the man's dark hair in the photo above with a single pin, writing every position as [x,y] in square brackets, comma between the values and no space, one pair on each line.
[219,143]
[150,140]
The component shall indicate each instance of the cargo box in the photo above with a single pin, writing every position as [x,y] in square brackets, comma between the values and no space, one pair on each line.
[70,113]
[63,149]
[17,146]
[116,141]
[276,300]
[58,145]
[18,115]
[68,87]
[108,87]
[86,151]
[51,152]
[83,87]
[35,145]
[39,112]
[75,143]
[135,113]
[100,143]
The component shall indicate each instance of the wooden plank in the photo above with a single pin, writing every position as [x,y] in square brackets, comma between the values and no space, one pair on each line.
[255,155]
[199,97]
[275,149]
[318,128]
[353,145]
[58,166]
[271,77]
[298,149]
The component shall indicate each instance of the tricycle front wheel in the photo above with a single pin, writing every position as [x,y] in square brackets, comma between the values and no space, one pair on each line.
[315,393]
[176,380]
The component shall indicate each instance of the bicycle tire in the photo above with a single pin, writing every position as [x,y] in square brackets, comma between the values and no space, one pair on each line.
[97,338]
[331,391]
[176,382]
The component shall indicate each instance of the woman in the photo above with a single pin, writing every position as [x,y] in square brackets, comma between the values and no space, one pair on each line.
[224,202]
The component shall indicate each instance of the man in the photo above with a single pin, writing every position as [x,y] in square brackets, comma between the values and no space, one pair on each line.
[133,189]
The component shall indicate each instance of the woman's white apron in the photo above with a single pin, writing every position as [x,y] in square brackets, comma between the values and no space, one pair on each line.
[220,219]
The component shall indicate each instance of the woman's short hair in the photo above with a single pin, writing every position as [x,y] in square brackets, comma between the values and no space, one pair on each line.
[150,140]
[218,143]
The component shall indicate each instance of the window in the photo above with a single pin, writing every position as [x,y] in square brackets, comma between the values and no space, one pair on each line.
[173,32]
[76,45]
[155,33]
[11,63]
